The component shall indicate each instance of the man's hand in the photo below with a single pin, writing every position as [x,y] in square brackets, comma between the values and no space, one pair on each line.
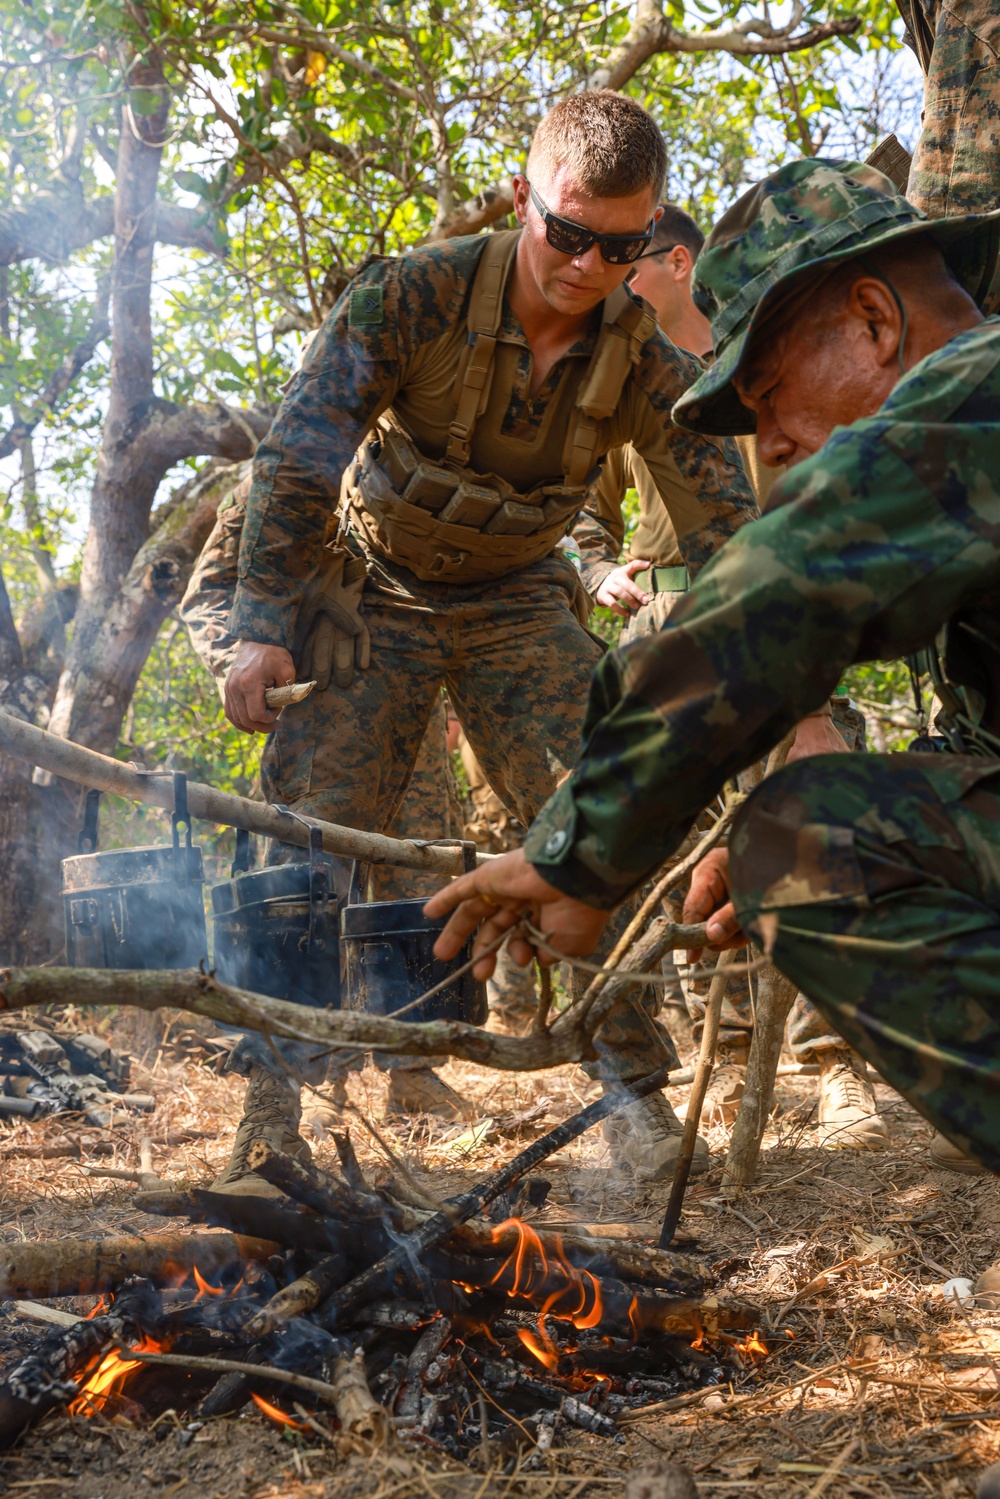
[495,897]
[618,592]
[708,900]
[816,735]
[255,667]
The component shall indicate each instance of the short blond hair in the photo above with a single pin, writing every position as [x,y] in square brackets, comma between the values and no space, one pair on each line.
[612,145]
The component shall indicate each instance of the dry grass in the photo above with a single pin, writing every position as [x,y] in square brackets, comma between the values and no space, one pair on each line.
[885,1391]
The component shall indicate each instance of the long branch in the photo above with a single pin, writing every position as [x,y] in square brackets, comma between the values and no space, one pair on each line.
[71,762]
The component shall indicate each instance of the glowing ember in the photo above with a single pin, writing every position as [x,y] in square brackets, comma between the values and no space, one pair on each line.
[109,1376]
[276,1414]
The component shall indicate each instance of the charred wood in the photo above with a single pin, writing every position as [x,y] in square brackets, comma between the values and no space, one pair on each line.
[314,1188]
[284,1225]
[66,1267]
[302,1296]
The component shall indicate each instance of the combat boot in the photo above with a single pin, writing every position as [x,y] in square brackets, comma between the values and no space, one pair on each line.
[645,1137]
[419,1090]
[951,1157]
[848,1113]
[271,1112]
[724,1094]
[322,1112]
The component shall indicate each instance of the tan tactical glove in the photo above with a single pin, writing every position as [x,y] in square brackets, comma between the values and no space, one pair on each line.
[332,631]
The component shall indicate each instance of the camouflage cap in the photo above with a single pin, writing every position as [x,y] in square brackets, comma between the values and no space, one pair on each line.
[799,221]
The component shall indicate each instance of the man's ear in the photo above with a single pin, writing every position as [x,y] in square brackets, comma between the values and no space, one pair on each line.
[521,197]
[682,262]
[871,302]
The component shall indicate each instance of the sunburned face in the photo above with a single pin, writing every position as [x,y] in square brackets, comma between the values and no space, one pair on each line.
[574,284]
[827,365]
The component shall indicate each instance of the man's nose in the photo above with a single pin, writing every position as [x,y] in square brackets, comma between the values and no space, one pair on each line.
[774,447]
[591,262]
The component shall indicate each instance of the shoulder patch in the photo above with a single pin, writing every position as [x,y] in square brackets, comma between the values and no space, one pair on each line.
[366,307]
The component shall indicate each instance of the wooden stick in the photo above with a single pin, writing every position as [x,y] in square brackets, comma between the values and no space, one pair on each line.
[696,1099]
[87,768]
[301,1297]
[284,697]
[357,1409]
[233,1366]
[67,1267]
[775,996]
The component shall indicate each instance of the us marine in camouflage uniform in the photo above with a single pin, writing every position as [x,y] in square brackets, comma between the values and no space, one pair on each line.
[957,43]
[645,589]
[429,809]
[848,333]
[484,380]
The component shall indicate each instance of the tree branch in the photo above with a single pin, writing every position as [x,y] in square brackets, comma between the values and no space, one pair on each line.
[652,33]
[62,378]
[54,224]
[493,203]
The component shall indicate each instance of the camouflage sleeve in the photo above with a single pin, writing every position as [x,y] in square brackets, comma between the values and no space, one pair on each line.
[348,378]
[701,480]
[599,531]
[858,558]
[208,599]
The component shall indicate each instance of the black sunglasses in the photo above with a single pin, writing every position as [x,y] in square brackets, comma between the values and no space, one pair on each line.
[573,239]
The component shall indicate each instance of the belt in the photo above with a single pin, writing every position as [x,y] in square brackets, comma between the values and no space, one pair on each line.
[663,580]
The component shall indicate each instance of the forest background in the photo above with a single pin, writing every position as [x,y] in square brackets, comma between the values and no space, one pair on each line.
[185,189]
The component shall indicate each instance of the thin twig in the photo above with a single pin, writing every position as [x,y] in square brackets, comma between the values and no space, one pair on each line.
[234,1366]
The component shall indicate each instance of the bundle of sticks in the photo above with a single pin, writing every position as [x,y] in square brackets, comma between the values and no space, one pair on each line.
[458,1325]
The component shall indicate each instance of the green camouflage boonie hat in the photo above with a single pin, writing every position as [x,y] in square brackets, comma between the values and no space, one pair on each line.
[809,215]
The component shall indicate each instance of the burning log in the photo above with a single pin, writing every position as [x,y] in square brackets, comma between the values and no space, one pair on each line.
[67,1267]
[46,1377]
[357,1409]
[365,1286]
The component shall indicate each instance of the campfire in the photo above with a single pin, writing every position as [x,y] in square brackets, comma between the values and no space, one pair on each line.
[375,1315]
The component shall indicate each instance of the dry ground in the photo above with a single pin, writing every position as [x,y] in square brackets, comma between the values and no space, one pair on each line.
[885,1391]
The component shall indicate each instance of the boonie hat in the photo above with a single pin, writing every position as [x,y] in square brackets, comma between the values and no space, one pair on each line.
[809,215]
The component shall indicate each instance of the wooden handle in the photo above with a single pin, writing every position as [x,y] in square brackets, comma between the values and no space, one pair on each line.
[294,692]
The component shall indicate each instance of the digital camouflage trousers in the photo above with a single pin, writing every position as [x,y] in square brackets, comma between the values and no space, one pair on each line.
[517,666]
[875,881]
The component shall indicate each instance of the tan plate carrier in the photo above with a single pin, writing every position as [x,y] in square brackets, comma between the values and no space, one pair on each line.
[444,521]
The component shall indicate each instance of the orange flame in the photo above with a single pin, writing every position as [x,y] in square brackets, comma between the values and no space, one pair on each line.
[204,1289]
[96,1310]
[543,1354]
[753,1347]
[576,1295]
[276,1414]
[108,1378]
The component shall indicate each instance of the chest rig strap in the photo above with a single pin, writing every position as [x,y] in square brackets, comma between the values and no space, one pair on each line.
[628,322]
[626,325]
[475,374]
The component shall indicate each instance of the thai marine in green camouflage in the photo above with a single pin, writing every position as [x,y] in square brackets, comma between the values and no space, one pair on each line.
[874,880]
[956,164]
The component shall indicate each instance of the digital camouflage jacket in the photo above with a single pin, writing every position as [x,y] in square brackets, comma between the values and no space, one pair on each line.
[864,552]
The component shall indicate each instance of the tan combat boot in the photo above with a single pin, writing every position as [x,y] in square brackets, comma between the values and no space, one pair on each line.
[848,1113]
[724,1094]
[419,1090]
[953,1158]
[271,1112]
[645,1137]
[322,1112]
